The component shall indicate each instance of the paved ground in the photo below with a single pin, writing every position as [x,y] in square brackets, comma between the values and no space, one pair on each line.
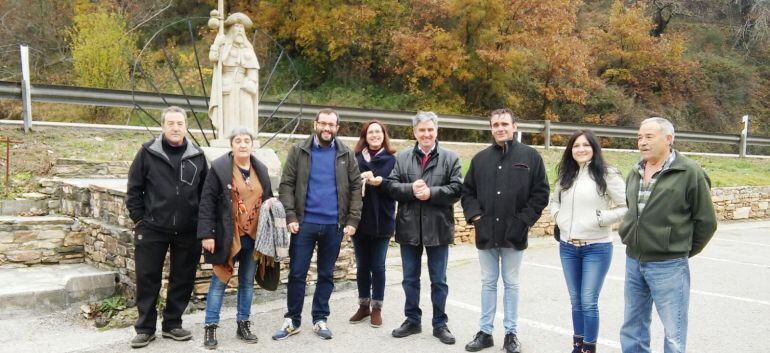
[729,312]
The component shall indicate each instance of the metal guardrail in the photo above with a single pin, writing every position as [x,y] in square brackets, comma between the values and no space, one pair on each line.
[148,100]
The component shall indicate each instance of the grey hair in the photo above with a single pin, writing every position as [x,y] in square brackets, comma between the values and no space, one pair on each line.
[665,125]
[238,131]
[425,116]
[171,109]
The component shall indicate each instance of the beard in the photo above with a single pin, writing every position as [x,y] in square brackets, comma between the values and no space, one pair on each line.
[325,141]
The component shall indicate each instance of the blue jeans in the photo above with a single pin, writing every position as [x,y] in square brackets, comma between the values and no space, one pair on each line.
[665,283]
[370,266]
[492,261]
[328,238]
[585,268]
[411,261]
[246,269]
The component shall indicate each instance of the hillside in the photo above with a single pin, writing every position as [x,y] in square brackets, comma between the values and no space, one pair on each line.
[704,63]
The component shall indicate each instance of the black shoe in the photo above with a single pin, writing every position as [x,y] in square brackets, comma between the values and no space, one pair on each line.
[407,329]
[244,332]
[443,335]
[481,341]
[512,344]
[210,336]
[577,344]
[177,334]
[142,340]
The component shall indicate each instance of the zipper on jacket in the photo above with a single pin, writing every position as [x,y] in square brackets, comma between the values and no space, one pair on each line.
[639,214]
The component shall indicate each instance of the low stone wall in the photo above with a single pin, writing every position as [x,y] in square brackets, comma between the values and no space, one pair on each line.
[30,241]
[730,203]
[80,168]
[102,231]
[108,242]
[741,202]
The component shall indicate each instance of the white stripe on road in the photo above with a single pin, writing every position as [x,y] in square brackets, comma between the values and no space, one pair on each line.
[701,257]
[695,291]
[532,323]
[742,242]
[720,260]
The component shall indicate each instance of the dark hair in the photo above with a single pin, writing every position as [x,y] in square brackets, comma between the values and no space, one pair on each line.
[568,168]
[503,111]
[361,144]
[327,111]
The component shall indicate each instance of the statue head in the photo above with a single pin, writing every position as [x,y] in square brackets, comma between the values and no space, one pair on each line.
[236,25]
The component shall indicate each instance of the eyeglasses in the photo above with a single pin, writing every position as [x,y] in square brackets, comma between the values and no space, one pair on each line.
[329,125]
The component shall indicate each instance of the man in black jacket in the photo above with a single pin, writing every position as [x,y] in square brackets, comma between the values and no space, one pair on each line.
[504,193]
[164,187]
[426,181]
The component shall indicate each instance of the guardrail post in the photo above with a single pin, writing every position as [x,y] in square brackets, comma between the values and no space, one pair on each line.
[547,134]
[744,136]
[26,94]
[518,135]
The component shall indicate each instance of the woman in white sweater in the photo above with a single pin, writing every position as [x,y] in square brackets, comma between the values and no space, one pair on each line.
[589,197]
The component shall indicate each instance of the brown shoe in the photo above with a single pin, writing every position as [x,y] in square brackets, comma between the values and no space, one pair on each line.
[376,319]
[363,311]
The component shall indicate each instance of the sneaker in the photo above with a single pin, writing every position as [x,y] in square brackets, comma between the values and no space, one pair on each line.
[480,341]
[408,328]
[177,334]
[322,331]
[142,340]
[444,335]
[286,330]
[512,344]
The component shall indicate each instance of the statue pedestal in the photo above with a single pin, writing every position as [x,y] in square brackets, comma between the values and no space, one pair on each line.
[267,156]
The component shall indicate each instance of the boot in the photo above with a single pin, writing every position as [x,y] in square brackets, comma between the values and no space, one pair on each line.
[376,319]
[363,311]
[589,348]
[210,336]
[244,332]
[577,344]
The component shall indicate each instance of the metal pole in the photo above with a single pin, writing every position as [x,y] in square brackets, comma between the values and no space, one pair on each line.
[547,134]
[744,135]
[26,94]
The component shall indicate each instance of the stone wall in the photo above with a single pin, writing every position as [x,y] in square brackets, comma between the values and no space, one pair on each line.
[741,202]
[30,241]
[80,168]
[98,225]
[730,203]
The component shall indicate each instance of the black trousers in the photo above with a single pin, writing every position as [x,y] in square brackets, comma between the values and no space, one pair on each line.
[150,247]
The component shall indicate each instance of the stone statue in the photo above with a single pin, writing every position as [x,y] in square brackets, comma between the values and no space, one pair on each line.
[235,85]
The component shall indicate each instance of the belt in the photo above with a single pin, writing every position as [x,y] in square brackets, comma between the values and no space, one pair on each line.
[577,242]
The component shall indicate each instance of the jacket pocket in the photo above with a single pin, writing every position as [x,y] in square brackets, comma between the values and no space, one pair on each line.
[483,231]
[515,230]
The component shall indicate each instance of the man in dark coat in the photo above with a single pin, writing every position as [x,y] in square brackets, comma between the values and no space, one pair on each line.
[504,193]
[164,187]
[426,182]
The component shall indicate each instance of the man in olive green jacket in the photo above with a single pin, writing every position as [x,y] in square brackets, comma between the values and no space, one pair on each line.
[670,219]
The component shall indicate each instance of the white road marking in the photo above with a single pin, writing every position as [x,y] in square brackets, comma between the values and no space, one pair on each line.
[741,242]
[532,323]
[701,257]
[694,291]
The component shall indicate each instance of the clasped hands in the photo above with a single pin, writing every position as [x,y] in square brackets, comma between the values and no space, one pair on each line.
[421,190]
[369,178]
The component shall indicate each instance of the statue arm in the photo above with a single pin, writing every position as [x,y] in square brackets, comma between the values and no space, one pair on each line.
[250,85]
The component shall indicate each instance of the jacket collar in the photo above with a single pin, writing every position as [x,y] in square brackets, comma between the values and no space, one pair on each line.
[418,151]
[157,147]
[307,145]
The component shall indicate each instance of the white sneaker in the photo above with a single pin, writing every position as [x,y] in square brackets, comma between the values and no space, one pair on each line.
[322,331]
[287,329]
